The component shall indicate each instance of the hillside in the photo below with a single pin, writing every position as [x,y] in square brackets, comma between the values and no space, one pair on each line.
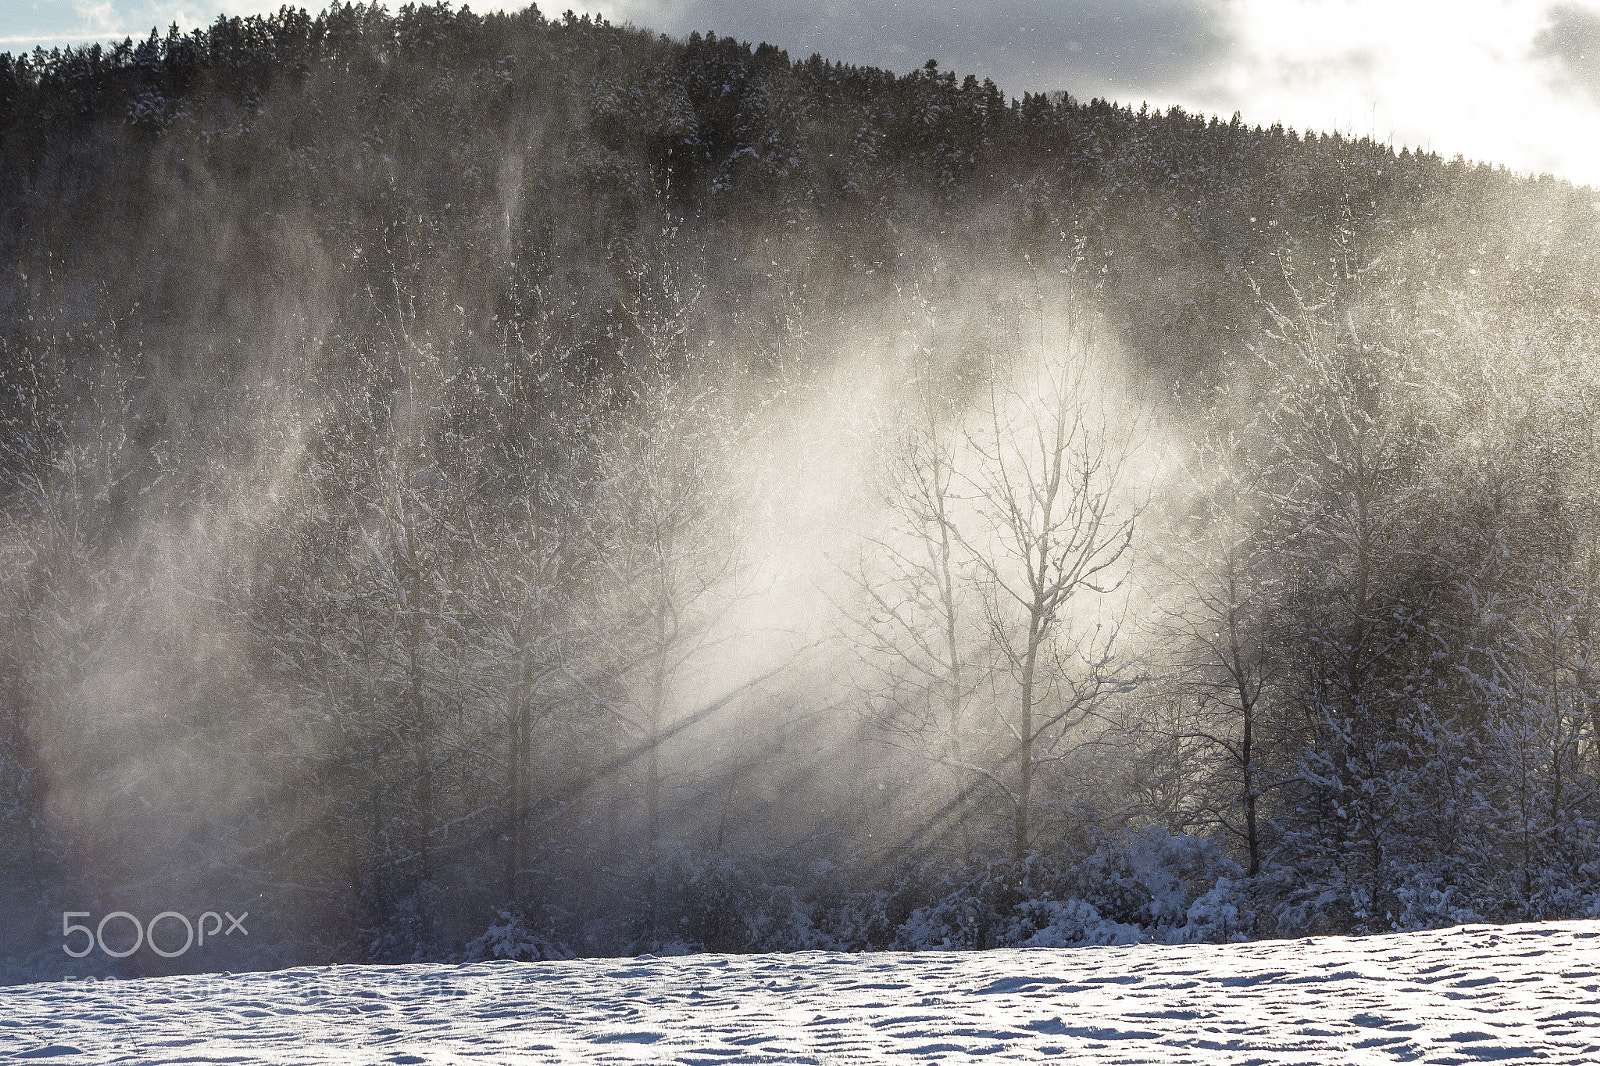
[491,156]
[500,479]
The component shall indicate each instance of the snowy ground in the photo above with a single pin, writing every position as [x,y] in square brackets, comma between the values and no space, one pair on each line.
[1526,993]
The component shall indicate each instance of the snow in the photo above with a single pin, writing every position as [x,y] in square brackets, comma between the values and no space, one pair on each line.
[1528,993]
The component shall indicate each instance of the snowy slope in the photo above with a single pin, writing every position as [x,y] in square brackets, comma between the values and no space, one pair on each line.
[1509,994]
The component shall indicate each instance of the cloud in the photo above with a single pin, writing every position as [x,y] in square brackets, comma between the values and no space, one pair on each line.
[1088,47]
[65,23]
[1571,43]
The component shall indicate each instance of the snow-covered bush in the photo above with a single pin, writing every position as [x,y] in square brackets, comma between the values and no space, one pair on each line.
[778,919]
[1221,915]
[1053,923]
[403,938]
[868,919]
[1177,887]
[978,908]
[1427,902]
[949,925]
[1147,884]
[509,937]
[714,903]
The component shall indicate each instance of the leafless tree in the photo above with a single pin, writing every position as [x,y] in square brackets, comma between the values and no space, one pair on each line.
[1220,568]
[1055,525]
[917,623]
[1020,510]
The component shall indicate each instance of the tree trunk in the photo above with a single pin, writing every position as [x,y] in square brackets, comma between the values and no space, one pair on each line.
[517,781]
[1025,740]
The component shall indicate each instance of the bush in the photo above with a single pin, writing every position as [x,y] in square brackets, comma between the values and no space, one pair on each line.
[712,903]
[1177,887]
[508,937]
[1144,885]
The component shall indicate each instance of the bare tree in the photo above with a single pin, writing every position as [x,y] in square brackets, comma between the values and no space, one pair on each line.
[534,553]
[1019,511]
[673,555]
[1055,524]
[917,624]
[1222,567]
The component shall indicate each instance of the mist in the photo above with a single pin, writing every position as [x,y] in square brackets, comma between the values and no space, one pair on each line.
[514,487]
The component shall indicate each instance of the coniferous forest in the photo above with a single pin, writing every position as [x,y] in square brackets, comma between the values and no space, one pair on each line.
[523,486]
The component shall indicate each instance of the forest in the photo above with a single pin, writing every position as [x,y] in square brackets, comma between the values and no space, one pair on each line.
[516,486]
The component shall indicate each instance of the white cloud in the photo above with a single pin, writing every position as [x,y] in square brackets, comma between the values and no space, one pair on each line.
[1094,47]
[1571,45]
[1466,77]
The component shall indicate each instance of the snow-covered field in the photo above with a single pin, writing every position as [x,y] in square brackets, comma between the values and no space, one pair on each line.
[1527,993]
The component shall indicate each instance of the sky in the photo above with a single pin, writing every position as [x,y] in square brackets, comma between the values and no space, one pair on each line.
[1513,82]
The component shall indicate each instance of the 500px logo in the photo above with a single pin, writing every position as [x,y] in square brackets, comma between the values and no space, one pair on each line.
[146,933]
